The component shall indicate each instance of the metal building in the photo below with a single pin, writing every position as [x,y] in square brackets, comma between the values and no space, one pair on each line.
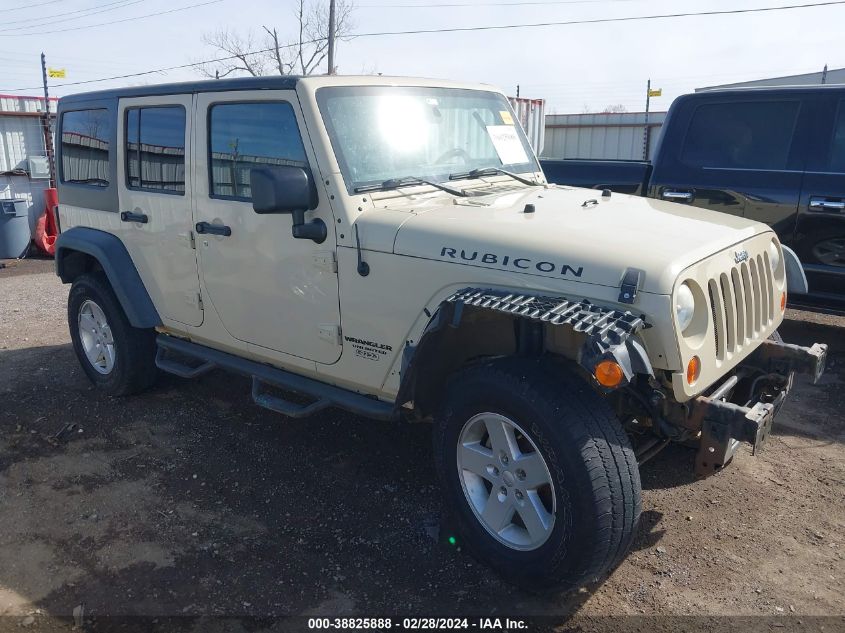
[616,136]
[24,171]
[835,76]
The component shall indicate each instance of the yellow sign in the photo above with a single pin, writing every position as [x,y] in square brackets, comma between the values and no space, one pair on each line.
[57,73]
[656,93]
[507,119]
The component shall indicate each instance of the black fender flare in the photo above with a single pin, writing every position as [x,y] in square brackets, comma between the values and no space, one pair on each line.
[609,334]
[115,261]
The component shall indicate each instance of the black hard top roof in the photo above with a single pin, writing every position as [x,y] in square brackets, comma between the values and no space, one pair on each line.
[207,85]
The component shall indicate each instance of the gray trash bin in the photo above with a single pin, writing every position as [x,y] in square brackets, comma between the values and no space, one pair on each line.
[14,228]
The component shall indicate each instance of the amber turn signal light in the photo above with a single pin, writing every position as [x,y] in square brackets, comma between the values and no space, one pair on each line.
[609,373]
[693,370]
[782,301]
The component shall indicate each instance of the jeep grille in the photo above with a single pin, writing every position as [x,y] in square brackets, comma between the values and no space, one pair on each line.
[742,302]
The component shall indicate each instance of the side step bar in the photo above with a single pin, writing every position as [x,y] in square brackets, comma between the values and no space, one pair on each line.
[324,395]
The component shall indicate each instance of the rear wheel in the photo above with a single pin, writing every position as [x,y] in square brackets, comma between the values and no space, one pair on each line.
[538,473]
[118,358]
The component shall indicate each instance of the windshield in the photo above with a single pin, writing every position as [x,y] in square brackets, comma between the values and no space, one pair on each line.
[381,133]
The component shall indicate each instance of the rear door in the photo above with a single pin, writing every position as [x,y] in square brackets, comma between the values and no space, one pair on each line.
[739,154]
[155,196]
[820,233]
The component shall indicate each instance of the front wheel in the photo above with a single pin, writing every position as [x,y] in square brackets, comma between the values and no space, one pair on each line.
[538,472]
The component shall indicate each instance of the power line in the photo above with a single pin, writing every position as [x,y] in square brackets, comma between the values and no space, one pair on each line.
[444,30]
[162,70]
[499,27]
[486,4]
[87,12]
[31,6]
[90,26]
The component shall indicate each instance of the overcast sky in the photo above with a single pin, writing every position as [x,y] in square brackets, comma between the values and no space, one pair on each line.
[573,67]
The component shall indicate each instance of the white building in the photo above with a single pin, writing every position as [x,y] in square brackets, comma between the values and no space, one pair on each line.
[24,171]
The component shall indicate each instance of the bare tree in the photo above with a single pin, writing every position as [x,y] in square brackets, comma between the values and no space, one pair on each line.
[617,108]
[270,53]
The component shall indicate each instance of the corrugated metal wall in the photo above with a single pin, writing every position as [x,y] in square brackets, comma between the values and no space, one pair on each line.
[601,136]
[531,115]
[21,138]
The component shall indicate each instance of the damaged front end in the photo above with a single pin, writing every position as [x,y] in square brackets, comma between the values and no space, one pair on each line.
[741,408]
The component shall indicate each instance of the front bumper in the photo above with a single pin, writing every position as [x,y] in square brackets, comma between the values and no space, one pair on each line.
[724,424]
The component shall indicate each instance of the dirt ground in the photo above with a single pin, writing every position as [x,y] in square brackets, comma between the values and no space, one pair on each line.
[190,500]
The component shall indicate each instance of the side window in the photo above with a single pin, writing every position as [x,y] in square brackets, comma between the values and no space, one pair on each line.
[155,149]
[741,135]
[85,147]
[244,135]
[837,146]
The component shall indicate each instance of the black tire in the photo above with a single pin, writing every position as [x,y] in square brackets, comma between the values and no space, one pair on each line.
[589,457]
[134,368]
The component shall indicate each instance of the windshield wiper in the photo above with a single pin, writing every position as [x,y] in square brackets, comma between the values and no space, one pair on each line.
[407,181]
[491,171]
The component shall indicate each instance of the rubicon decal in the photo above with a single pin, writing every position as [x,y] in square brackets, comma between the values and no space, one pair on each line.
[509,261]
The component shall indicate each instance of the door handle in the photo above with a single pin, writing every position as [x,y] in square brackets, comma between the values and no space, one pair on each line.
[129,216]
[827,205]
[213,229]
[671,194]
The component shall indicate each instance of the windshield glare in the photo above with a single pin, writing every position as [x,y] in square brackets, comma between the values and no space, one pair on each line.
[384,132]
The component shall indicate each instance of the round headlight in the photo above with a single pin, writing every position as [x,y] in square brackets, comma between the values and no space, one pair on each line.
[774,255]
[684,306]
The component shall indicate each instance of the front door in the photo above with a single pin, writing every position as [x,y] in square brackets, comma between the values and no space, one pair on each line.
[155,196]
[820,234]
[738,154]
[267,287]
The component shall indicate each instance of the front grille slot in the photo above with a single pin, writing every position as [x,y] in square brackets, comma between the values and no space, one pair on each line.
[718,318]
[742,304]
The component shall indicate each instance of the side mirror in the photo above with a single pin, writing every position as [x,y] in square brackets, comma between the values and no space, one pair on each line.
[287,189]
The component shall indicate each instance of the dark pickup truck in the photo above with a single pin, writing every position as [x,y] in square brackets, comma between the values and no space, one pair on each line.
[776,155]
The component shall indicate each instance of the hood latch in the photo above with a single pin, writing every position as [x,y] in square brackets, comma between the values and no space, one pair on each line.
[629,286]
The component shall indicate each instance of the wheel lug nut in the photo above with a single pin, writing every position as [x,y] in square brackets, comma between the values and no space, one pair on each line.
[520,474]
[503,491]
[518,495]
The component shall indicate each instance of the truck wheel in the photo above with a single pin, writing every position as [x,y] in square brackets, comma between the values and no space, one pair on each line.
[118,358]
[541,478]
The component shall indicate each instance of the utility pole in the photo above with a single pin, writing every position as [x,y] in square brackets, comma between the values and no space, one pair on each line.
[517,91]
[645,131]
[331,35]
[48,126]
[824,74]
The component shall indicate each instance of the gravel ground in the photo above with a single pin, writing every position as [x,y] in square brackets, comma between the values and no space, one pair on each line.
[190,500]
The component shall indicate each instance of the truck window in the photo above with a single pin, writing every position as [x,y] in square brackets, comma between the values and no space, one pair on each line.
[85,147]
[155,149]
[741,135]
[245,135]
[837,147]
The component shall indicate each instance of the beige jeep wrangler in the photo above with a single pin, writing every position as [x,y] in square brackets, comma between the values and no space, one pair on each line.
[390,247]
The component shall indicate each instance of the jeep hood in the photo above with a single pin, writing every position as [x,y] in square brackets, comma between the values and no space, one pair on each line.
[573,234]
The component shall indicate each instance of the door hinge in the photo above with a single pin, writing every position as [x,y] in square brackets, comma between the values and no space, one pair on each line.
[330,332]
[325,261]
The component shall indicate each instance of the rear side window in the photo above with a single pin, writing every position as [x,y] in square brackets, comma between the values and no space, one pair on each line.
[741,135]
[85,147]
[246,135]
[155,149]
[837,147]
